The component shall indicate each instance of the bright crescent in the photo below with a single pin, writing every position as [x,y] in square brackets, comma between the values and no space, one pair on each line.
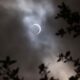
[39,27]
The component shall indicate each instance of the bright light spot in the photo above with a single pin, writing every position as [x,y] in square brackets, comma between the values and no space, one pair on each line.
[59,70]
[36,29]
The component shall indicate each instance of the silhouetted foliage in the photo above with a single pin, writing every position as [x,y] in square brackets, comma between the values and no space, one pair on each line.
[61,32]
[72,19]
[43,71]
[76,62]
[7,72]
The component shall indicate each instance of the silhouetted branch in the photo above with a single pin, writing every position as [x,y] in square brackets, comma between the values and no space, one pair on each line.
[43,71]
[6,69]
[76,62]
[71,18]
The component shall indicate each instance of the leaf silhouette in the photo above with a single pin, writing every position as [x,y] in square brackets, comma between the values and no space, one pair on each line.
[61,32]
[14,72]
[67,54]
[60,57]
[5,78]
[42,68]
[76,62]
[52,78]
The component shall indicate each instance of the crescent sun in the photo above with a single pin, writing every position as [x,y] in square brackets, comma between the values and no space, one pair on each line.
[39,27]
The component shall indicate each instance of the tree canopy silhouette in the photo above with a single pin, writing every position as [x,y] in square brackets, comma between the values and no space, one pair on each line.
[71,18]
[73,28]
[43,71]
[76,62]
[7,72]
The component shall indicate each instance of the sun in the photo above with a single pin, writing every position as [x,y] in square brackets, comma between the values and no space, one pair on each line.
[36,29]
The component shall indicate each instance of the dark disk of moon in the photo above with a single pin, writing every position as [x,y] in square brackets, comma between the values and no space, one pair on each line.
[36,29]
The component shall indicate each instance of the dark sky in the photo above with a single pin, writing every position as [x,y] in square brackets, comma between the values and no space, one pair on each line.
[30,50]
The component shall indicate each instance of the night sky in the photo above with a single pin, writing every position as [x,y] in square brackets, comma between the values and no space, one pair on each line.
[31,46]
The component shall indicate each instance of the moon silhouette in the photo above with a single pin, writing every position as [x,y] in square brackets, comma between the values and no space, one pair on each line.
[36,28]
